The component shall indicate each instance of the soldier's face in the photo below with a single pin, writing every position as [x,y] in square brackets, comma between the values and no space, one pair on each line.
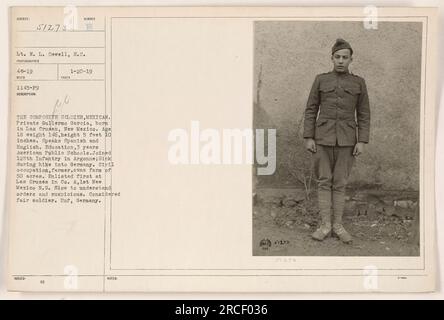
[341,60]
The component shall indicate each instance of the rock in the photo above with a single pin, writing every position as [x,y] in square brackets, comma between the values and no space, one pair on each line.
[289,223]
[405,204]
[273,213]
[312,223]
[268,198]
[275,200]
[289,203]
[359,197]
[389,211]
[298,195]
[306,226]
[405,214]
[350,207]
[292,199]
[360,234]
[377,208]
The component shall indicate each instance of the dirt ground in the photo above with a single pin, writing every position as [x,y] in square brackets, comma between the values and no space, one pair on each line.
[382,223]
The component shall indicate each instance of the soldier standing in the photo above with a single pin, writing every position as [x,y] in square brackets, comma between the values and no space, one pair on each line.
[336,136]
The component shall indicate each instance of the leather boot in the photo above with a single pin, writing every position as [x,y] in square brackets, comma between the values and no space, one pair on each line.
[338,211]
[324,201]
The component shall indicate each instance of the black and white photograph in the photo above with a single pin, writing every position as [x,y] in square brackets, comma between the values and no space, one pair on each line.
[345,100]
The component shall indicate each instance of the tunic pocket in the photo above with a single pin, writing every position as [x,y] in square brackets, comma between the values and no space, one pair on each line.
[351,124]
[327,88]
[354,90]
[321,131]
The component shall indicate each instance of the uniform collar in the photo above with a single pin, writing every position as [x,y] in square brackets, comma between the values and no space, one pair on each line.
[341,73]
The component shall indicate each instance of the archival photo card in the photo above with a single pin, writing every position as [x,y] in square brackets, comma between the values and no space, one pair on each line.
[221,149]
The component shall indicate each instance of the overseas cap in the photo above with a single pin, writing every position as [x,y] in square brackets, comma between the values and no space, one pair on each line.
[341,44]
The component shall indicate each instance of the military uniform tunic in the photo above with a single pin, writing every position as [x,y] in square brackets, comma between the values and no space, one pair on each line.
[341,100]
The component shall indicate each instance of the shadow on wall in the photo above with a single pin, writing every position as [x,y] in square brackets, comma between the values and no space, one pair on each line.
[289,54]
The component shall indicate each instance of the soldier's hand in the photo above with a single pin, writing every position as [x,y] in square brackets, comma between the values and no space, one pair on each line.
[359,148]
[310,145]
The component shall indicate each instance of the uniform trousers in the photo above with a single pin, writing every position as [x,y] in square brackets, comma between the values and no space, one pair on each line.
[332,167]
